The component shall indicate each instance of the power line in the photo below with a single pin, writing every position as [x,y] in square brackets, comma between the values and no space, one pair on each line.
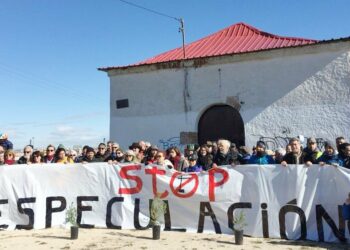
[180,20]
[150,10]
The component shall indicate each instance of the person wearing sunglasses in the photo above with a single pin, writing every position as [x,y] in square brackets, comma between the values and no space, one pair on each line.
[50,154]
[27,154]
[101,152]
[311,152]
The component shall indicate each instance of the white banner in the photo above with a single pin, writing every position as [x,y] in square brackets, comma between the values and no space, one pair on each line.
[293,202]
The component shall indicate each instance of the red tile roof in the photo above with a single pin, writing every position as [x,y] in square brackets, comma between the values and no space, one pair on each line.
[238,38]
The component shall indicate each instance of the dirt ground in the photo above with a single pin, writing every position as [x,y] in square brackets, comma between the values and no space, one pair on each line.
[59,238]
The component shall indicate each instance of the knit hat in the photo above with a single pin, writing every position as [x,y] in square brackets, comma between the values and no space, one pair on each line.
[190,147]
[311,139]
[130,152]
[89,149]
[135,145]
[330,144]
[261,144]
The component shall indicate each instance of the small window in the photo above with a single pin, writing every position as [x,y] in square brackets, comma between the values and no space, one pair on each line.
[123,103]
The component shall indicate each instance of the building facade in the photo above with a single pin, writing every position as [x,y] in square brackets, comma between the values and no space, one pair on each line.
[284,88]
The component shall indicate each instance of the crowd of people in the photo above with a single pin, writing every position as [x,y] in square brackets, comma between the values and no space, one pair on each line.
[195,158]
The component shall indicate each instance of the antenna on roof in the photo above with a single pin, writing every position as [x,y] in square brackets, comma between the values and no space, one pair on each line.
[180,20]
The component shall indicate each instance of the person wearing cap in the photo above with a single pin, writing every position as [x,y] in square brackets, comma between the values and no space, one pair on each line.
[296,155]
[329,156]
[130,156]
[193,165]
[311,153]
[90,156]
[261,157]
[4,142]
[190,149]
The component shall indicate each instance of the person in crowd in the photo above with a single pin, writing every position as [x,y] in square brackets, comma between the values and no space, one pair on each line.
[279,154]
[116,156]
[189,150]
[209,145]
[254,150]
[177,160]
[27,153]
[2,155]
[288,149]
[236,156]
[223,155]
[4,142]
[148,145]
[36,157]
[261,157]
[162,162]
[90,156]
[130,156]
[245,154]
[205,159]
[142,144]
[329,156]
[9,157]
[109,147]
[339,141]
[193,165]
[215,148]
[345,158]
[61,157]
[72,154]
[150,155]
[296,154]
[311,152]
[135,146]
[83,154]
[101,152]
[50,154]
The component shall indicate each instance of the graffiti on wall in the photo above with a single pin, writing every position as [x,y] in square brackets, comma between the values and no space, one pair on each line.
[170,142]
[276,142]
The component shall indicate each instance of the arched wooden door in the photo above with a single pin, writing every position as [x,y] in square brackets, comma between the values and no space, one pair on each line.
[221,121]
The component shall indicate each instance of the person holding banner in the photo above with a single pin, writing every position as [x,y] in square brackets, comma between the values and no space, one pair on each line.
[261,157]
[345,159]
[296,155]
[162,162]
[193,164]
[61,156]
[329,156]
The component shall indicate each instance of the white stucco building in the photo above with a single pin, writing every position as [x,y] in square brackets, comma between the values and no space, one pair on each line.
[239,83]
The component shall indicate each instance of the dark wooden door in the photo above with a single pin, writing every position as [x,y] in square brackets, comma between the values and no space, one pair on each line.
[221,122]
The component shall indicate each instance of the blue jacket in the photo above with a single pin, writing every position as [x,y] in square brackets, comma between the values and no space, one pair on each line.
[262,160]
[329,159]
[195,168]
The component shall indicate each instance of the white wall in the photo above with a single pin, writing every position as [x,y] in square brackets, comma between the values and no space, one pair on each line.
[304,93]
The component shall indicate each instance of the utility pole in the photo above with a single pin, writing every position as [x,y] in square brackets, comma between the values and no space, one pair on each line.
[182,30]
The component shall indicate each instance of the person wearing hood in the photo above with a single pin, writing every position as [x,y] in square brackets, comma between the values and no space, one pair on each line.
[311,153]
[261,157]
[329,156]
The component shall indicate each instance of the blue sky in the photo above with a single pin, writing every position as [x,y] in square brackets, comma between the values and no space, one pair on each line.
[50,51]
